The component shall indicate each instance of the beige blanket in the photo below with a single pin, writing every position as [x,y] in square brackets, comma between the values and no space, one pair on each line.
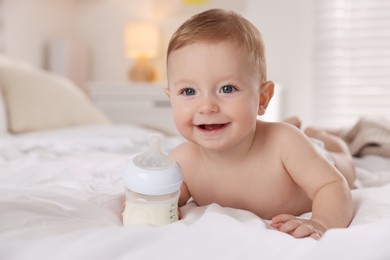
[369,136]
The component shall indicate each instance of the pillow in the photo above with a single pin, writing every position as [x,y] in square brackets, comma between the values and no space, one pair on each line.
[3,118]
[38,100]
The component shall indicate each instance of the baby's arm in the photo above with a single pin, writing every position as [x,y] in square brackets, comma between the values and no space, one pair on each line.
[323,183]
[330,210]
[184,195]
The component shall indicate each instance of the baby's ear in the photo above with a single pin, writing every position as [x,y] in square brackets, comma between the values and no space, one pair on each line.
[166,92]
[266,93]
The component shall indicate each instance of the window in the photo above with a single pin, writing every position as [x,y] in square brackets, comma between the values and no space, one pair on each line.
[352,61]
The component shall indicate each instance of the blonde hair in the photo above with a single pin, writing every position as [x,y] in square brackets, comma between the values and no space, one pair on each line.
[216,25]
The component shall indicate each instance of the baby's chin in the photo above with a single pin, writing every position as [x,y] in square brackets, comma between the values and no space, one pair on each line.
[215,145]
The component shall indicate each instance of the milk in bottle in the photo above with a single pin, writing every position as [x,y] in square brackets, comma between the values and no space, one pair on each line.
[152,186]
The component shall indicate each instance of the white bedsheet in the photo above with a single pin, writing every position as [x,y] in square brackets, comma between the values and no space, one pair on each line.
[61,197]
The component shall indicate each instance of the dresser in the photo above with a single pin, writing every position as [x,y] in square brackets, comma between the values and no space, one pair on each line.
[144,104]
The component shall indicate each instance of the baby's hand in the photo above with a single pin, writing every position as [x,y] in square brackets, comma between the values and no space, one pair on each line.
[297,227]
[179,213]
[123,205]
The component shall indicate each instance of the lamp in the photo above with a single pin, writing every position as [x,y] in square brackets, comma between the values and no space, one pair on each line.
[142,44]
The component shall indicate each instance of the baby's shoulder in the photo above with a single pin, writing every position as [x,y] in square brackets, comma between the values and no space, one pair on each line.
[280,136]
[184,151]
[279,130]
[283,137]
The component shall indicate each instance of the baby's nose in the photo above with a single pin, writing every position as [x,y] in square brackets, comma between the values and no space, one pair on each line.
[209,104]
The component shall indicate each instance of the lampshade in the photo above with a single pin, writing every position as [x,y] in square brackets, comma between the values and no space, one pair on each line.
[142,40]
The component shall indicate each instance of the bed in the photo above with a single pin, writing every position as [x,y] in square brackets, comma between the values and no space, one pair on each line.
[61,190]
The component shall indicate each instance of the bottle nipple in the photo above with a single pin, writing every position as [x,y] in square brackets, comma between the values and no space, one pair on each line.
[153,158]
[153,172]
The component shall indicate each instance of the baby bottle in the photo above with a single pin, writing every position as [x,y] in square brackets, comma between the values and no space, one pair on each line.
[152,185]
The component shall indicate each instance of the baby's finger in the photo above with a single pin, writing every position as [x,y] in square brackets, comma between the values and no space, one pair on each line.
[279,220]
[303,230]
[276,225]
[316,236]
[290,226]
[282,218]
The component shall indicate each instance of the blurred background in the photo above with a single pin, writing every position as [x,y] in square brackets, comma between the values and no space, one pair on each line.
[330,58]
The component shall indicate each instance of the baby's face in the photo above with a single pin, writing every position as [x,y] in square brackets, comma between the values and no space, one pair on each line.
[214,92]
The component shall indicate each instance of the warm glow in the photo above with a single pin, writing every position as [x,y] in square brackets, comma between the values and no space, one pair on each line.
[195,2]
[142,40]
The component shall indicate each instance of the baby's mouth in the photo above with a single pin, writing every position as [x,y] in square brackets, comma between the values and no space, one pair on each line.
[212,127]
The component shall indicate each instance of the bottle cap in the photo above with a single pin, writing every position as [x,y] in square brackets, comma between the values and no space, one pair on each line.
[153,172]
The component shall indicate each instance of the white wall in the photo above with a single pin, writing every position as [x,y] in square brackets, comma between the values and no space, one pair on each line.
[101,24]
[287,27]
[30,23]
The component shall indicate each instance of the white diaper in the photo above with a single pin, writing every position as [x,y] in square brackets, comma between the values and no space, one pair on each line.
[320,147]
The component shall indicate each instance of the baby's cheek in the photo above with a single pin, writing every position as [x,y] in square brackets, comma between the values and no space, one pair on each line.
[183,124]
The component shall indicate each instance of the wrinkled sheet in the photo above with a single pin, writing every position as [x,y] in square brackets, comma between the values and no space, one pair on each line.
[61,197]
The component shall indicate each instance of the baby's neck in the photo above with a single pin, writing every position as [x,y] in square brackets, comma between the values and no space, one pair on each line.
[233,154]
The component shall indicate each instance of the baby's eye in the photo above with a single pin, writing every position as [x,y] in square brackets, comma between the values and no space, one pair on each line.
[228,89]
[188,91]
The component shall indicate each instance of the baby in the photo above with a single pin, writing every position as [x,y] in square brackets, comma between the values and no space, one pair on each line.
[217,86]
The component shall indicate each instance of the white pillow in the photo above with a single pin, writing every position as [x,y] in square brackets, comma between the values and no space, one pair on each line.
[3,118]
[37,100]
